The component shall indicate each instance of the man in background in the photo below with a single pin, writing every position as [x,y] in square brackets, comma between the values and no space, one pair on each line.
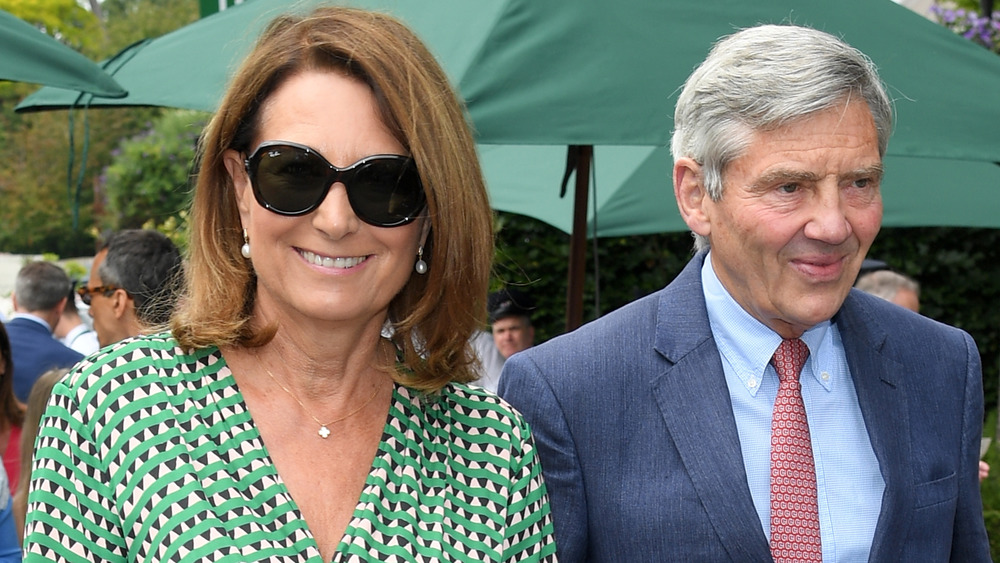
[510,319]
[905,292]
[73,331]
[893,287]
[134,283]
[40,291]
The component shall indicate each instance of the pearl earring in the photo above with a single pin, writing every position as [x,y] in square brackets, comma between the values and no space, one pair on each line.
[245,249]
[420,266]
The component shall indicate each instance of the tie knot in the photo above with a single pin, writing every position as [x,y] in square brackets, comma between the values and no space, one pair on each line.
[789,358]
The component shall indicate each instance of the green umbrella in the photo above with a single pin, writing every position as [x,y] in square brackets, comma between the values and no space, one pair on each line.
[191,66]
[591,73]
[632,191]
[29,55]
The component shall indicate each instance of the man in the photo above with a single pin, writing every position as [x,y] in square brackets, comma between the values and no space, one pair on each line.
[893,287]
[40,291]
[654,423]
[133,285]
[72,331]
[510,318]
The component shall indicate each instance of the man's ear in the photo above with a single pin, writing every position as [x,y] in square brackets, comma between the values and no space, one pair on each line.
[121,303]
[61,306]
[692,198]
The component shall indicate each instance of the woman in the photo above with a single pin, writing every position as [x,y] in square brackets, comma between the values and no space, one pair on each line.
[309,404]
[11,417]
[37,399]
[11,412]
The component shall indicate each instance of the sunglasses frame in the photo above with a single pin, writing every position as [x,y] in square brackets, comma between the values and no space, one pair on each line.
[344,176]
[87,293]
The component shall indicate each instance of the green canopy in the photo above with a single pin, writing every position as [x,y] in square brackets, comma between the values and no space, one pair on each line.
[191,66]
[588,72]
[29,55]
[593,73]
[632,190]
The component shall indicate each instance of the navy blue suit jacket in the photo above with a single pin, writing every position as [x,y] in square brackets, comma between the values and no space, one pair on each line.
[35,351]
[639,448]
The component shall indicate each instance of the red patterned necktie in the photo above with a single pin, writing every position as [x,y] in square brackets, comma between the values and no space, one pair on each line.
[794,513]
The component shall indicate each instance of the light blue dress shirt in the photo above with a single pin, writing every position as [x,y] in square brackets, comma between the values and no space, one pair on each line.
[849,484]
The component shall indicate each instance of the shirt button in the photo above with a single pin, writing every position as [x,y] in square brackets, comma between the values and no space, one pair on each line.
[825,376]
[752,383]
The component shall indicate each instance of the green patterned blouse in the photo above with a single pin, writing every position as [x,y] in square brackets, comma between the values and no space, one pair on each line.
[147,453]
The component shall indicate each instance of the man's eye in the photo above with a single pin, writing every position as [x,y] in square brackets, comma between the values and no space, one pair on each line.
[862,182]
[788,188]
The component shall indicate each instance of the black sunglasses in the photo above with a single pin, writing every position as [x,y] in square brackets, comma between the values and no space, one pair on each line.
[86,293]
[384,190]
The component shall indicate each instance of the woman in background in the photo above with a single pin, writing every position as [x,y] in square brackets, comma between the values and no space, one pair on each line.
[37,399]
[11,418]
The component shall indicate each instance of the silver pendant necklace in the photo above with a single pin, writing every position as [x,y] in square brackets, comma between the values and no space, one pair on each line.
[324,428]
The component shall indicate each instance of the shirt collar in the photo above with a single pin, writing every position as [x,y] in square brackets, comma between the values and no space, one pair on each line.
[747,344]
[34,318]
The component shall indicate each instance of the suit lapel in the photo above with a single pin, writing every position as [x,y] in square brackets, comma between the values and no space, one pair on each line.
[694,401]
[884,409]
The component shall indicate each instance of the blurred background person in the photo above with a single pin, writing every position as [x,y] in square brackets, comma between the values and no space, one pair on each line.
[40,292]
[37,400]
[905,292]
[490,360]
[309,402]
[73,331]
[11,412]
[133,285]
[510,317]
[510,331]
[893,287]
[10,549]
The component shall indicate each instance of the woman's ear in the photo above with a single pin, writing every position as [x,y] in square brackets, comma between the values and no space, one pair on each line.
[692,198]
[241,182]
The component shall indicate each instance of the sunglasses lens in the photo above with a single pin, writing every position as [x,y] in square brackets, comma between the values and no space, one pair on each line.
[386,191]
[288,180]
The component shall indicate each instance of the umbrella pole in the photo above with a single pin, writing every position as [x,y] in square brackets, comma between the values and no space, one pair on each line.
[578,240]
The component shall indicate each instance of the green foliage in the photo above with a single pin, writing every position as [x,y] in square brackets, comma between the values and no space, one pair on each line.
[65,20]
[533,256]
[148,179]
[75,270]
[39,168]
[175,227]
[990,487]
[129,21]
[983,29]
[38,185]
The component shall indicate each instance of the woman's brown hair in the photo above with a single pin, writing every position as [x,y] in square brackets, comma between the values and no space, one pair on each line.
[37,401]
[11,413]
[435,314]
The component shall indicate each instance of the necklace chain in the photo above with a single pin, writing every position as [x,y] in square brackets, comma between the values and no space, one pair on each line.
[324,430]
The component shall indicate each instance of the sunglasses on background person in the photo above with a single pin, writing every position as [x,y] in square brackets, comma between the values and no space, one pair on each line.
[384,190]
[86,293]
